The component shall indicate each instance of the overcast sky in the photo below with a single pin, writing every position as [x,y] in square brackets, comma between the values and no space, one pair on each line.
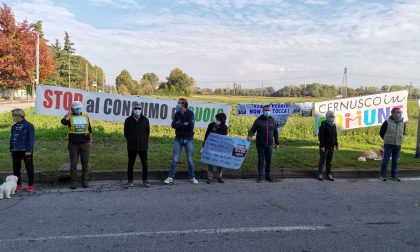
[276,42]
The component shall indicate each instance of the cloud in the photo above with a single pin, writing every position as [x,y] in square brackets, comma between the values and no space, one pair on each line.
[246,40]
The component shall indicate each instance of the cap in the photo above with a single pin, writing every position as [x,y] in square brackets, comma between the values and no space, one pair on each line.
[76,105]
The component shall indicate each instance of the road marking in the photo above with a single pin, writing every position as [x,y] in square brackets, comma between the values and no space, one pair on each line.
[173,232]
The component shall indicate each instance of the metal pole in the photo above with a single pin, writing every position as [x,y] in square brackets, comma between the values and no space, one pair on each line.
[69,68]
[36,64]
[87,77]
[418,136]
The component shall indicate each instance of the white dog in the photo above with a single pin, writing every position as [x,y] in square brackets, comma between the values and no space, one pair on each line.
[9,187]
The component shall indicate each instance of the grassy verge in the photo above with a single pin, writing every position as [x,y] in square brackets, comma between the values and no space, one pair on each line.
[298,145]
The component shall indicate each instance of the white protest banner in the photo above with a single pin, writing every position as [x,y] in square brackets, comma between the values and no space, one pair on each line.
[56,101]
[253,109]
[362,111]
[224,151]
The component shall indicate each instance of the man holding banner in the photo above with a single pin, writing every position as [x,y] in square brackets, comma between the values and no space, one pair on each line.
[183,123]
[266,128]
[80,141]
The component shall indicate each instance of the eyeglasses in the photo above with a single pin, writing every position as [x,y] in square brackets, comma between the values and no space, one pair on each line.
[137,108]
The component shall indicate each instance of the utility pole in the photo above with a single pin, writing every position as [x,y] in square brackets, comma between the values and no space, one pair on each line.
[36,64]
[343,91]
[87,77]
[69,67]
[418,135]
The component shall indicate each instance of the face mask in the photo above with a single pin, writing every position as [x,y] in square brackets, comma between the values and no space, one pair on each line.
[178,107]
[137,112]
[77,111]
[218,123]
[331,120]
[399,116]
[267,113]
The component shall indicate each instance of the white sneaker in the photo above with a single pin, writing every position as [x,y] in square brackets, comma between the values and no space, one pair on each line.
[169,180]
[194,181]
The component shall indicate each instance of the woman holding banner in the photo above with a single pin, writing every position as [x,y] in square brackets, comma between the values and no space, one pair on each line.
[218,127]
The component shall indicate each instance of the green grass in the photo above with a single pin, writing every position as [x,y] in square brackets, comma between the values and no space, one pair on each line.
[298,149]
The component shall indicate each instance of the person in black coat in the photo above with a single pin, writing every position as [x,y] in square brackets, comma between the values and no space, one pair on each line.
[327,136]
[267,133]
[217,127]
[137,132]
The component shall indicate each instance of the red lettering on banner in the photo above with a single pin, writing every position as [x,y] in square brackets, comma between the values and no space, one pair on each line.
[48,101]
[78,97]
[57,98]
[67,100]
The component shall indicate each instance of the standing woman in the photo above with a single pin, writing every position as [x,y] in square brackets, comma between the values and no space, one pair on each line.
[218,127]
[22,140]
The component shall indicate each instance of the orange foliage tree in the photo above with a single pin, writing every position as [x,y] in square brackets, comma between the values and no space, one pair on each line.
[17,52]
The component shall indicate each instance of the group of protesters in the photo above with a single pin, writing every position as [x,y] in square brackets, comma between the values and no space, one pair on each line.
[137,132]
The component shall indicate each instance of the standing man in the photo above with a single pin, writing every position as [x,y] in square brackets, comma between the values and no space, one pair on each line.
[137,132]
[266,128]
[22,140]
[183,123]
[327,136]
[392,132]
[80,141]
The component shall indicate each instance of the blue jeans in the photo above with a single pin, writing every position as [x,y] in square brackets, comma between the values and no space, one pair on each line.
[264,152]
[189,148]
[389,150]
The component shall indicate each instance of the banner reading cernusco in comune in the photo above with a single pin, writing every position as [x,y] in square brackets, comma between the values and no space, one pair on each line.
[224,151]
[56,101]
[362,111]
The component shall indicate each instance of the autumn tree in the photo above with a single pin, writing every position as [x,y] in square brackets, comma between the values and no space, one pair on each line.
[152,78]
[17,51]
[125,83]
[180,81]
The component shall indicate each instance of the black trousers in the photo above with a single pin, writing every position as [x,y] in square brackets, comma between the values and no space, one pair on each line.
[17,157]
[325,157]
[132,155]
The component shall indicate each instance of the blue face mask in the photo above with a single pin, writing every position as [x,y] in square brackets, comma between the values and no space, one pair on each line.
[267,113]
[178,107]
[77,111]
[331,120]
[399,116]
[137,112]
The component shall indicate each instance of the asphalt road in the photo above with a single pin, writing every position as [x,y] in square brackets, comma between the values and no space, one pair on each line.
[240,215]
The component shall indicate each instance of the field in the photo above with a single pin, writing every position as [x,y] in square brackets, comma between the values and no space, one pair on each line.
[298,145]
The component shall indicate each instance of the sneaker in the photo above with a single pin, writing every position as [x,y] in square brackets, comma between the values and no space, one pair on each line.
[259,180]
[146,183]
[130,184]
[330,178]
[208,181]
[320,177]
[270,180]
[382,178]
[30,188]
[219,180]
[18,188]
[194,181]
[395,178]
[168,181]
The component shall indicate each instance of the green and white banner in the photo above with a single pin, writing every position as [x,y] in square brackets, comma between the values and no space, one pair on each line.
[56,101]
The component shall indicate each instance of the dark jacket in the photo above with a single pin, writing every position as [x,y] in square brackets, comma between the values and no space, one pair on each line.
[22,137]
[183,131]
[327,135]
[77,138]
[266,129]
[222,129]
[137,133]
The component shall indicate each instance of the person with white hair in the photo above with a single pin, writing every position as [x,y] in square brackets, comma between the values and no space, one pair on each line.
[327,136]
[80,141]
[136,133]
[22,141]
